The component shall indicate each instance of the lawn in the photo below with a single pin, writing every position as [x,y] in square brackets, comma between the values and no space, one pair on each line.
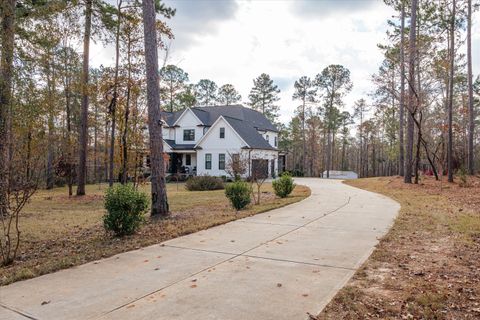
[428,265]
[60,232]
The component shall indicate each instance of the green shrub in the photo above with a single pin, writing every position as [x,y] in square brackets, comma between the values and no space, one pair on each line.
[238,193]
[125,209]
[283,186]
[204,183]
[462,175]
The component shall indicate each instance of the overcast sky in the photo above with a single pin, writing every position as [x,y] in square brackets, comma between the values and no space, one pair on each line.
[231,41]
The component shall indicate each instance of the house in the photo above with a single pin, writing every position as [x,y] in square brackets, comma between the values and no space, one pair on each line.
[207,140]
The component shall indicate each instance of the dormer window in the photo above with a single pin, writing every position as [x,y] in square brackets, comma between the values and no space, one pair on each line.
[222,133]
[189,135]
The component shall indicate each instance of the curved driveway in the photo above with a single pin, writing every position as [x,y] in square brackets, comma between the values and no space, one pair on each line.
[277,265]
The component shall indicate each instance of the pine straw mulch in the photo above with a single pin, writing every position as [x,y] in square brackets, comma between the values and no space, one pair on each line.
[428,265]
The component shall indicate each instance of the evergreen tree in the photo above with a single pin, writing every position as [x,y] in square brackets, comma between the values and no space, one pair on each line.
[206,92]
[228,95]
[263,97]
[173,81]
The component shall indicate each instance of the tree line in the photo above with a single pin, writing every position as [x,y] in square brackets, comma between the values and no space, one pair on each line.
[421,114]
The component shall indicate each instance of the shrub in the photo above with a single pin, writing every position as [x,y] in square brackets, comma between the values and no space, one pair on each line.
[204,183]
[283,186]
[125,209]
[462,175]
[238,193]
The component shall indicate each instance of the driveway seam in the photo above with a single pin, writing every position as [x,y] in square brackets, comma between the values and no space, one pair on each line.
[261,257]
[21,313]
[224,261]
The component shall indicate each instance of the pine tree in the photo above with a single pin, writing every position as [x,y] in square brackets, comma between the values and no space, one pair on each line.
[306,93]
[158,187]
[263,97]
[334,83]
[173,83]
[206,92]
[228,95]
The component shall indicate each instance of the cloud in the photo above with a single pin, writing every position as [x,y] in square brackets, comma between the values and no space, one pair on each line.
[328,7]
[196,18]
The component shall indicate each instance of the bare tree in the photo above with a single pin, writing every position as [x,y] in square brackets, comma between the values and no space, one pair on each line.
[6,73]
[450,96]
[258,175]
[83,139]
[471,110]
[402,95]
[411,92]
[159,191]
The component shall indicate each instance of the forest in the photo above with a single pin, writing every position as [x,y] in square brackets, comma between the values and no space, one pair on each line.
[63,122]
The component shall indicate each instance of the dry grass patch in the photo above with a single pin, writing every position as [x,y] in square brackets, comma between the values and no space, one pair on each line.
[428,265]
[60,232]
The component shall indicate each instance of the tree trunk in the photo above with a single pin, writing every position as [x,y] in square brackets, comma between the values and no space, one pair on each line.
[113,104]
[450,97]
[401,159]
[6,75]
[82,161]
[471,110]
[51,118]
[304,140]
[125,125]
[411,93]
[159,192]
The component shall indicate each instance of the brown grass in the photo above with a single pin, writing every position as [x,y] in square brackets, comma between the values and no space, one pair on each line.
[428,265]
[60,232]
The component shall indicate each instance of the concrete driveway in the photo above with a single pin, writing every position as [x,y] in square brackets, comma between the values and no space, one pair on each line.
[276,265]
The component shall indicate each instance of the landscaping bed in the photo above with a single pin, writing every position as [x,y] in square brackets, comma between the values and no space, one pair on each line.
[428,265]
[60,232]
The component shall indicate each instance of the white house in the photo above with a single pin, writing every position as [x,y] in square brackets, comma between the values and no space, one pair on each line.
[202,140]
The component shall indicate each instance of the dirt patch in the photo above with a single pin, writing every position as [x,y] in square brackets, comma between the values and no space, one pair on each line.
[428,265]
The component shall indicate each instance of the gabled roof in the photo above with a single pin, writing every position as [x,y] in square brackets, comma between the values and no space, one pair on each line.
[249,134]
[245,121]
[208,115]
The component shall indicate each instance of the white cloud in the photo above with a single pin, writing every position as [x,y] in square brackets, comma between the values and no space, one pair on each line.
[268,36]
[236,42]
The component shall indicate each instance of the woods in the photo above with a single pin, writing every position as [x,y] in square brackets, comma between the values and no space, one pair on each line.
[421,113]
[81,124]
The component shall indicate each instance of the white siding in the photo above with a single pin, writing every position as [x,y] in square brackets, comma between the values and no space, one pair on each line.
[188,121]
[270,136]
[231,144]
[213,145]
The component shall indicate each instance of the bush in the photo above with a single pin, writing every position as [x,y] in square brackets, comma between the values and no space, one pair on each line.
[125,209]
[204,183]
[283,186]
[238,193]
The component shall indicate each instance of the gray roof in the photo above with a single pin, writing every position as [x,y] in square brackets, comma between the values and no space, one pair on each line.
[208,115]
[245,121]
[175,146]
[249,134]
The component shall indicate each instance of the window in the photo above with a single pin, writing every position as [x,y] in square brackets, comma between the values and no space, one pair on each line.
[208,161]
[267,138]
[222,133]
[189,135]
[276,142]
[221,161]
[188,160]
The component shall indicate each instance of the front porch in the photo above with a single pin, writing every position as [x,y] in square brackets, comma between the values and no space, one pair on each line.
[182,163]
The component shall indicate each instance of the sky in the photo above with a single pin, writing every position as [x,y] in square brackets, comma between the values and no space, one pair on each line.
[234,41]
